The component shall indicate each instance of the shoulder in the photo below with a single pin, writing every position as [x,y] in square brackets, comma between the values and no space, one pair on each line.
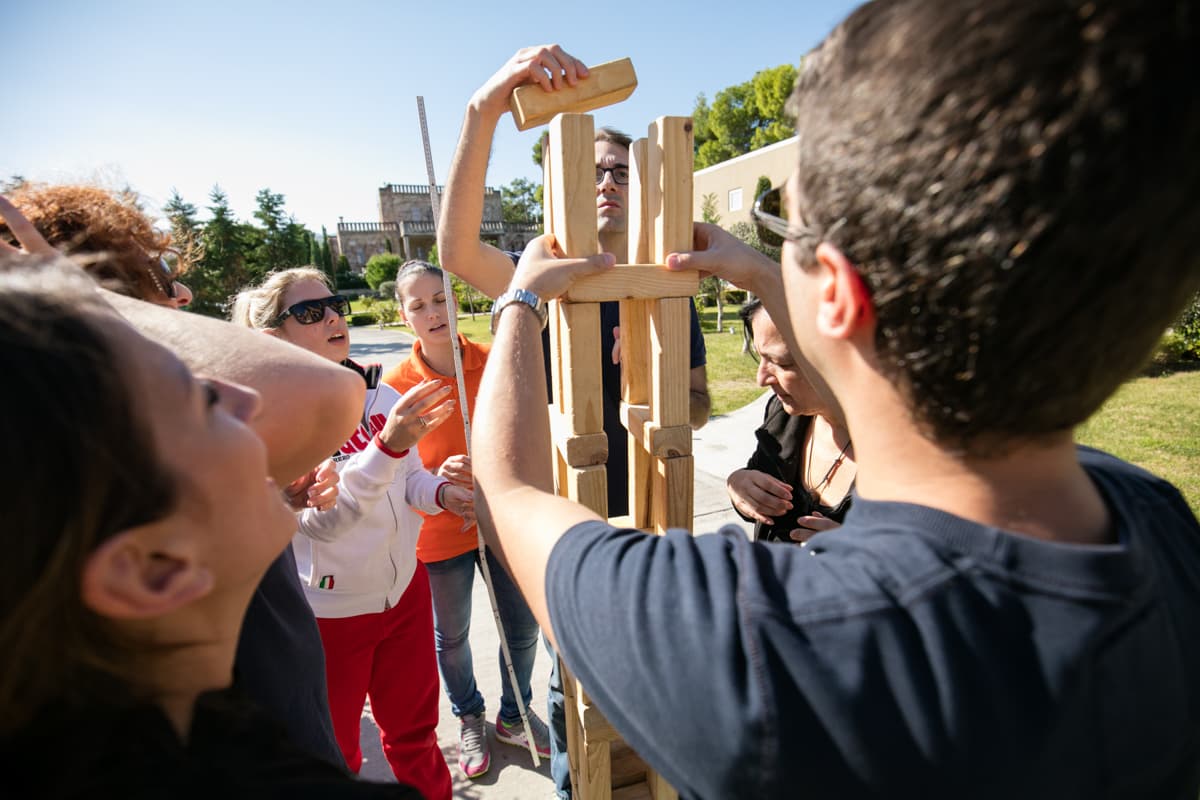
[402,376]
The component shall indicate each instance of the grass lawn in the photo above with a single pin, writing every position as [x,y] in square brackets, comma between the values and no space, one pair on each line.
[1153,422]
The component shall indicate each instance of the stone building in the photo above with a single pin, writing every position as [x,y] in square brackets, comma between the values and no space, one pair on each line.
[405,227]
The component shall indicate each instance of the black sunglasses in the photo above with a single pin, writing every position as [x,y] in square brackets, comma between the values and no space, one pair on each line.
[308,312]
[772,223]
[620,173]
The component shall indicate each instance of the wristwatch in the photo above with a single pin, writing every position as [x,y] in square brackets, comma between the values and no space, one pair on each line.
[519,296]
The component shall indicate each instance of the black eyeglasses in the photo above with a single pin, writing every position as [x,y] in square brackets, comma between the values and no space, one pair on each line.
[620,173]
[308,312]
[773,226]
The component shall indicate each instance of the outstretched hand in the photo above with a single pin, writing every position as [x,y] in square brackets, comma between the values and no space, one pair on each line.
[758,495]
[718,252]
[548,273]
[547,65]
[316,489]
[460,501]
[812,524]
[457,470]
[418,411]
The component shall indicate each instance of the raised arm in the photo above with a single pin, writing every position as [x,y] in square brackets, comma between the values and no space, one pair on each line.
[310,405]
[519,513]
[459,247]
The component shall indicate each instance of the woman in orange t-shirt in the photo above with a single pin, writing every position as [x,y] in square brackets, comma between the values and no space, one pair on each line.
[447,549]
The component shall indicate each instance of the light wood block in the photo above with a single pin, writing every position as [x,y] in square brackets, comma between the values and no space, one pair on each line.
[606,84]
[637,221]
[637,791]
[640,484]
[588,486]
[671,498]
[633,282]
[659,788]
[654,438]
[579,365]
[635,351]
[669,186]
[595,777]
[628,767]
[573,152]
[548,169]
[670,349]
[578,450]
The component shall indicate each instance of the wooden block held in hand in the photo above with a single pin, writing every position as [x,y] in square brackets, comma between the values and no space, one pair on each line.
[605,84]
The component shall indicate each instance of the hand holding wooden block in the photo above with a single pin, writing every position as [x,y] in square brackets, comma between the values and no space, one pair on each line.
[605,84]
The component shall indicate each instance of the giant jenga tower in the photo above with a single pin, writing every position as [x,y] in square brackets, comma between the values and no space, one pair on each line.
[655,348]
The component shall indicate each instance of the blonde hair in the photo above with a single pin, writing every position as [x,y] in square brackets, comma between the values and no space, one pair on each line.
[259,306]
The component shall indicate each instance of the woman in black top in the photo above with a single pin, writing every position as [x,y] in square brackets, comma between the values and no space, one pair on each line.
[798,480]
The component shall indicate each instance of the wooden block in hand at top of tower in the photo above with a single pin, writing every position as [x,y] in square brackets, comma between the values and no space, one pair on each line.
[605,85]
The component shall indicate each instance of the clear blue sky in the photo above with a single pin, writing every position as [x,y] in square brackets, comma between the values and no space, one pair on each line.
[317,100]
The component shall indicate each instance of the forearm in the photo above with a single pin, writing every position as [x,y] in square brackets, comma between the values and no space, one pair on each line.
[519,514]
[459,247]
[310,406]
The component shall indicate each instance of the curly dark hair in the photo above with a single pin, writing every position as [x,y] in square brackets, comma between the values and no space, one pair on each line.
[1016,182]
[106,233]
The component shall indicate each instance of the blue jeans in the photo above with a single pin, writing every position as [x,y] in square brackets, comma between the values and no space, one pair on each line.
[560,765]
[450,582]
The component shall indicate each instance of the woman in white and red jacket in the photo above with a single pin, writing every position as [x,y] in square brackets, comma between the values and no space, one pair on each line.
[357,560]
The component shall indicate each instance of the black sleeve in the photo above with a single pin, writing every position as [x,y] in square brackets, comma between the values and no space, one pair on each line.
[699,353]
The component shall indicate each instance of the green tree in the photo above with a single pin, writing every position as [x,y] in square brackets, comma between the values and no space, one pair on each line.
[381,267]
[762,187]
[519,201]
[743,117]
[279,242]
[712,286]
[219,272]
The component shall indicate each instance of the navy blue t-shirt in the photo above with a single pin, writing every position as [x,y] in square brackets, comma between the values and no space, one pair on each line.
[908,653]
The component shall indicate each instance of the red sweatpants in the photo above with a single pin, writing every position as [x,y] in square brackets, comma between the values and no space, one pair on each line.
[389,656]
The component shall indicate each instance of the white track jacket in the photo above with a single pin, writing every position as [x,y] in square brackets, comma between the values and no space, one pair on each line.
[359,556]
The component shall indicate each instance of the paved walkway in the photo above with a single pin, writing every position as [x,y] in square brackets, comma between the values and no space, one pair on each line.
[722,446]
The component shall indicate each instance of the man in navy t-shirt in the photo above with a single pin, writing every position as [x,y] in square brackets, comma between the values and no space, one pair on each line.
[989,227]
[490,270]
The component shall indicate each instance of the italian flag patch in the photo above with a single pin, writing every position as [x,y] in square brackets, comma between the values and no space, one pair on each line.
[326,582]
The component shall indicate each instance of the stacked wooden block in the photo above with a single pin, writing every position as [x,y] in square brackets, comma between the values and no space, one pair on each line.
[655,369]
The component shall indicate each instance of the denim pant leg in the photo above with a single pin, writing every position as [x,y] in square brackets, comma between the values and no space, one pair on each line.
[521,630]
[450,586]
[560,765]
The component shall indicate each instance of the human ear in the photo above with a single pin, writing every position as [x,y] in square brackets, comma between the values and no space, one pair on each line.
[130,577]
[844,303]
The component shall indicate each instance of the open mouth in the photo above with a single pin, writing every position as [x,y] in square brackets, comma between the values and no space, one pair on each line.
[337,337]
[436,328]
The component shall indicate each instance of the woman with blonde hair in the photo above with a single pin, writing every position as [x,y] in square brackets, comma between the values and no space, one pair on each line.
[357,561]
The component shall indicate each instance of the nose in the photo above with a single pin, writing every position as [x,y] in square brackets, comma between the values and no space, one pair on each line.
[183,295]
[331,316]
[763,376]
[607,182]
[239,401]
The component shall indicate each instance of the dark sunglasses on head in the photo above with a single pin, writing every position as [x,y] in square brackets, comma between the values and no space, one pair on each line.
[770,217]
[307,312]
[620,173]
[163,276]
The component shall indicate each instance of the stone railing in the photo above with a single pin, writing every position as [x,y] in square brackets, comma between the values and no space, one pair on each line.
[367,227]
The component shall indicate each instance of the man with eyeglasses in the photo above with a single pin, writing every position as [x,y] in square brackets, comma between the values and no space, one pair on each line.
[490,270]
[990,224]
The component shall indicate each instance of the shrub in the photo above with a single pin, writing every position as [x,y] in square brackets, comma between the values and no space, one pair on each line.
[1187,330]
[381,267]
[367,301]
[350,280]
[385,312]
[361,318]
[387,290]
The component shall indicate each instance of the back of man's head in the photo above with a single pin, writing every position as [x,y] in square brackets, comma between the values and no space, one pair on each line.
[1016,180]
